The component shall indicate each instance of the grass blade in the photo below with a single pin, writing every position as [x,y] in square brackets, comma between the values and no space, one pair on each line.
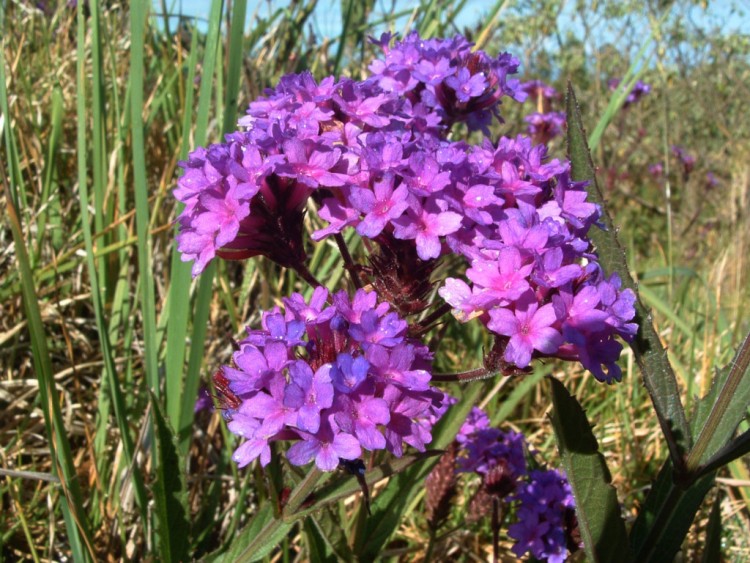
[170,491]
[76,519]
[138,13]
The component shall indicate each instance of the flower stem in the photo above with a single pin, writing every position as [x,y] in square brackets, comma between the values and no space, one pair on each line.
[349,264]
[306,275]
[301,492]
[425,323]
[465,376]
[495,528]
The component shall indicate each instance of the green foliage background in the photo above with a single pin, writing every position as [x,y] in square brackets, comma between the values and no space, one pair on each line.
[104,360]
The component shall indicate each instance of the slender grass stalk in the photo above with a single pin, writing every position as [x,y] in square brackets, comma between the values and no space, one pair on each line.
[56,123]
[99,140]
[121,414]
[75,516]
[138,12]
[178,396]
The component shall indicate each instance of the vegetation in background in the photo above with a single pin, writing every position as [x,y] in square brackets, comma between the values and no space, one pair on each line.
[99,102]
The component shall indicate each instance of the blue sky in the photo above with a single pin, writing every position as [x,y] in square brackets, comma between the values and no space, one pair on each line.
[728,15]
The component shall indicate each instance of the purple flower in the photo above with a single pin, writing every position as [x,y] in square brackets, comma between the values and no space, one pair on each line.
[379,206]
[637,92]
[306,376]
[466,85]
[376,155]
[309,394]
[360,415]
[348,372]
[529,328]
[541,530]
[325,447]
[426,227]
[686,159]
[537,89]
[544,127]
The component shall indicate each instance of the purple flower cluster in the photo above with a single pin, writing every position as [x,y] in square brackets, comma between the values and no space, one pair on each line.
[687,160]
[544,515]
[544,127]
[538,90]
[333,375]
[544,124]
[370,150]
[534,278]
[374,156]
[636,94]
[546,505]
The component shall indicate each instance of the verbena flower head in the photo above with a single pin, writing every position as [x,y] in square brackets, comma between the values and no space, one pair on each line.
[545,502]
[374,156]
[537,89]
[544,127]
[686,159]
[636,94]
[332,378]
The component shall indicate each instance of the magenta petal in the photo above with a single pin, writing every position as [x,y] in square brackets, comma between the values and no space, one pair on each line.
[518,352]
[327,458]
[309,419]
[369,436]
[347,446]
[545,316]
[250,450]
[547,340]
[503,321]
[302,452]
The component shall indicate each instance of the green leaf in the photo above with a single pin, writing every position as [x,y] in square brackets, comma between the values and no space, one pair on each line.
[602,528]
[712,543]
[666,516]
[651,356]
[342,488]
[718,414]
[170,491]
[257,539]
[318,548]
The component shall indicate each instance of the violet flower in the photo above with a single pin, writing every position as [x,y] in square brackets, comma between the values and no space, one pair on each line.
[307,377]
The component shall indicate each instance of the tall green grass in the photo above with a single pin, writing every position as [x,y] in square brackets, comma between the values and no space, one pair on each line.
[105,337]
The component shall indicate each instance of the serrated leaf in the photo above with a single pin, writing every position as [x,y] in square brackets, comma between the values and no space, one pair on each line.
[391,504]
[651,356]
[170,491]
[598,511]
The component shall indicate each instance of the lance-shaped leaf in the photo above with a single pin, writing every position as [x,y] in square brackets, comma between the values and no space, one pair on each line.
[170,491]
[651,356]
[601,526]
[718,414]
[712,545]
[670,509]
[666,516]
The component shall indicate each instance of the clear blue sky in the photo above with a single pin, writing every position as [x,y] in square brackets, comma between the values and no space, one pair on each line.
[728,15]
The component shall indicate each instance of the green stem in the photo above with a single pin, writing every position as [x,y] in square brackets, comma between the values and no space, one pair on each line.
[300,493]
